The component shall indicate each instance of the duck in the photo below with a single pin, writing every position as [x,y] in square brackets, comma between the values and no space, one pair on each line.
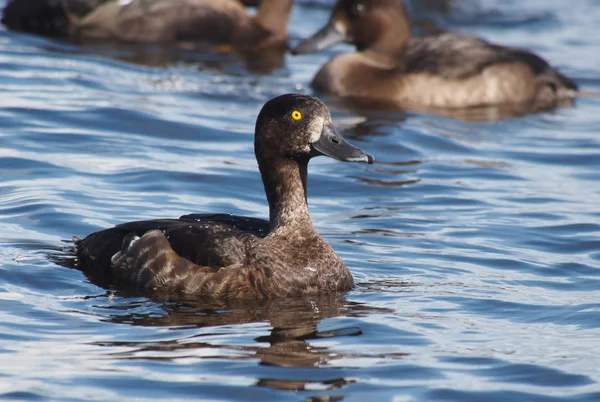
[221,256]
[447,70]
[165,22]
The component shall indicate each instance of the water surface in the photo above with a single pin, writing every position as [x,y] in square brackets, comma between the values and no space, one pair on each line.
[475,245]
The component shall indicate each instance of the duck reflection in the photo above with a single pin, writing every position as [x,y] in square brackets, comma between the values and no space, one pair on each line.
[491,114]
[288,345]
[294,323]
[200,56]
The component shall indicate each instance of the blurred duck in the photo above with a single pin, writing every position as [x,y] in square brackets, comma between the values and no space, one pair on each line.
[444,71]
[220,22]
[235,257]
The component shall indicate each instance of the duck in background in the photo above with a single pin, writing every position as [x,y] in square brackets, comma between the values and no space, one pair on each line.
[443,71]
[233,257]
[165,22]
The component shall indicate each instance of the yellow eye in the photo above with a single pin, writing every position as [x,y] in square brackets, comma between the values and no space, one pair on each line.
[296,115]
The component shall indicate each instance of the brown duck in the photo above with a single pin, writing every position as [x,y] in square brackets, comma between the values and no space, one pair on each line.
[444,71]
[224,256]
[223,22]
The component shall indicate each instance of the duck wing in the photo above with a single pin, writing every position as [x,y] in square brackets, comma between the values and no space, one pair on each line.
[258,227]
[455,56]
[149,263]
[212,240]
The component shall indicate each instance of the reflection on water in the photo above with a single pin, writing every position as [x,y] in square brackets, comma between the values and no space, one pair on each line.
[288,345]
[293,321]
[260,61]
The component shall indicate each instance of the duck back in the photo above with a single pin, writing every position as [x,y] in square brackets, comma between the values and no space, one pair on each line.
[205,239]
[455,56]
[159,21]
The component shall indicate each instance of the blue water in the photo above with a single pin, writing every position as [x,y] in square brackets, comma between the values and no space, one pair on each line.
[475,245]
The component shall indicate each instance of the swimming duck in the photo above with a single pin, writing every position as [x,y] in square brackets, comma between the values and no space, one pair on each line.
[224,256]
[223,22]
[443,71]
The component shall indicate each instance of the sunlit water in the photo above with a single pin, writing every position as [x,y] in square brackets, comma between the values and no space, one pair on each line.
[475,245]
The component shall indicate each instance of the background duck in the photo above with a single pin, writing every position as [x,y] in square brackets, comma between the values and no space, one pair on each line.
[223,22]
[443,71]
[237,257]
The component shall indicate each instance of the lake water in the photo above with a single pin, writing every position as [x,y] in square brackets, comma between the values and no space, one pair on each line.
[475,245]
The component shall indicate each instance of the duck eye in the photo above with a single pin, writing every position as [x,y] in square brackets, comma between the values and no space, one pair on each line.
[358,9]
[296,115]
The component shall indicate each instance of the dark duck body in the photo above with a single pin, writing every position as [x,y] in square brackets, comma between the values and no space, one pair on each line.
[443,71]
[224,256]
[45,17]
[222,22]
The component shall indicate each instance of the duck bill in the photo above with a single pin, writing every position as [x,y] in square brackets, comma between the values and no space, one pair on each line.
[335,146]
[326,37]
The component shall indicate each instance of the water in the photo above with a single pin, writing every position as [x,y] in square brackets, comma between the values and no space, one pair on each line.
[475,245]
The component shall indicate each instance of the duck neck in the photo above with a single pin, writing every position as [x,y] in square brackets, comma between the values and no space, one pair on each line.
[273,16]
[390,48]
[389,52]
[385,59]
[285,185]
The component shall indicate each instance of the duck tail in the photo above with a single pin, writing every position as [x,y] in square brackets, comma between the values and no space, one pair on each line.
[35,16]
[9,16]
[586,93]
[568,89]
[564,87]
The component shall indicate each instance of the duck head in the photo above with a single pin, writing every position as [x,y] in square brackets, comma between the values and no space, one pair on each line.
[380,25]
[299,127]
